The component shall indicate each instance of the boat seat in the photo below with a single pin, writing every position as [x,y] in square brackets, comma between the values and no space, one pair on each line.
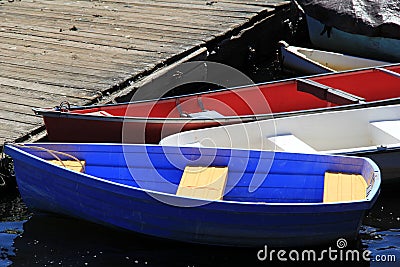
[70,164]
[390,127]
[327,93]
[208,114]
[98,113]
[291,143]
[203,182]
[339,187]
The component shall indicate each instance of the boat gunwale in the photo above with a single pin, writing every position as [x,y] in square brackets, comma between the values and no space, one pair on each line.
[369,199]
[364,149]
[245,118]
[40,111]
[295,52]
[298,52]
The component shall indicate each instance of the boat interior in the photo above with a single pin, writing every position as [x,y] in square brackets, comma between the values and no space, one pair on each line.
[218,174]
[331,132]
[313,92]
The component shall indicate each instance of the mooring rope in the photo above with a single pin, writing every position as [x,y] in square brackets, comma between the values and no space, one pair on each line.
[2,159]
[3,181]
[53,153]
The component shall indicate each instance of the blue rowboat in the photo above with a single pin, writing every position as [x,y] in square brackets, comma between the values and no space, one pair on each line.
[275,199]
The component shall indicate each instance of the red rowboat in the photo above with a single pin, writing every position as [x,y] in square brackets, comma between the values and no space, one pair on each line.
[149,121]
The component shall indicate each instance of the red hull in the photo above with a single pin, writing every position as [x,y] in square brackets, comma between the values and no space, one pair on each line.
[149,121]
[89,131]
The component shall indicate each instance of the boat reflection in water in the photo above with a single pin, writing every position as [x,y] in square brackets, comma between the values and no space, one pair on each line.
[61,241]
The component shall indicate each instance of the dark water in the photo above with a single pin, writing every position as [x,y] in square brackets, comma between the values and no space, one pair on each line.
[28,239]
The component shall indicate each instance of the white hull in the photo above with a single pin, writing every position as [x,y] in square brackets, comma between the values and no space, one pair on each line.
[370,130]
[311,61]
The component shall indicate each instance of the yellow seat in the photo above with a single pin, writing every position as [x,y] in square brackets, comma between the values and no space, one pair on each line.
[339,187]
[70,164]
[203,182]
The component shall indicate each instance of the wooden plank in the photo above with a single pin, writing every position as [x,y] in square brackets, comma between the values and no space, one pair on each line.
[59,90]
[268,3]
[44,62]
[59,70]
[34,98]
[128,32]
[23,118]
[89,65]
[19,108]
[127,29]
[203,182]
[340,187]
[127,43]
[191,5]
[113,53]
[116,7]
[192,20]
[71,57]
[29,61]
[144,24]
[78,166]
[10,130]
[55,78]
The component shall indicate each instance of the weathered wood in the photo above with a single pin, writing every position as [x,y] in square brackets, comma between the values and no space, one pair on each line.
[115,53]
[26,61]
[190,20]
[21,115]
[124,28]
[53,77]
[12,129]
[152,7]
[68,57]
[35,98]
[170,26]
[72,50]
[64,91]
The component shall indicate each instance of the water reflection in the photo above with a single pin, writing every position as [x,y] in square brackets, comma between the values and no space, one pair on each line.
[51,239]
[56,240]
[8,232]
[13,215]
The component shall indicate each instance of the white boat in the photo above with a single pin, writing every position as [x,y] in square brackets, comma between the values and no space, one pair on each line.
[312,61]
[371,132]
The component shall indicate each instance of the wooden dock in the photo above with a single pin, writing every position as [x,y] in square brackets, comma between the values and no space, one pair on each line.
[78,51]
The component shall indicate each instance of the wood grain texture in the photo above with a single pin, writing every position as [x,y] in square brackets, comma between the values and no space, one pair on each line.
[53,51]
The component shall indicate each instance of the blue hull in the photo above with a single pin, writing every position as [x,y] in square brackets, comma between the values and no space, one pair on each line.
[387,49]
[232,222]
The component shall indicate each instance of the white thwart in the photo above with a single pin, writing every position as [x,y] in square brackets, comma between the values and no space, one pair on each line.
[390,127]
[291,143]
